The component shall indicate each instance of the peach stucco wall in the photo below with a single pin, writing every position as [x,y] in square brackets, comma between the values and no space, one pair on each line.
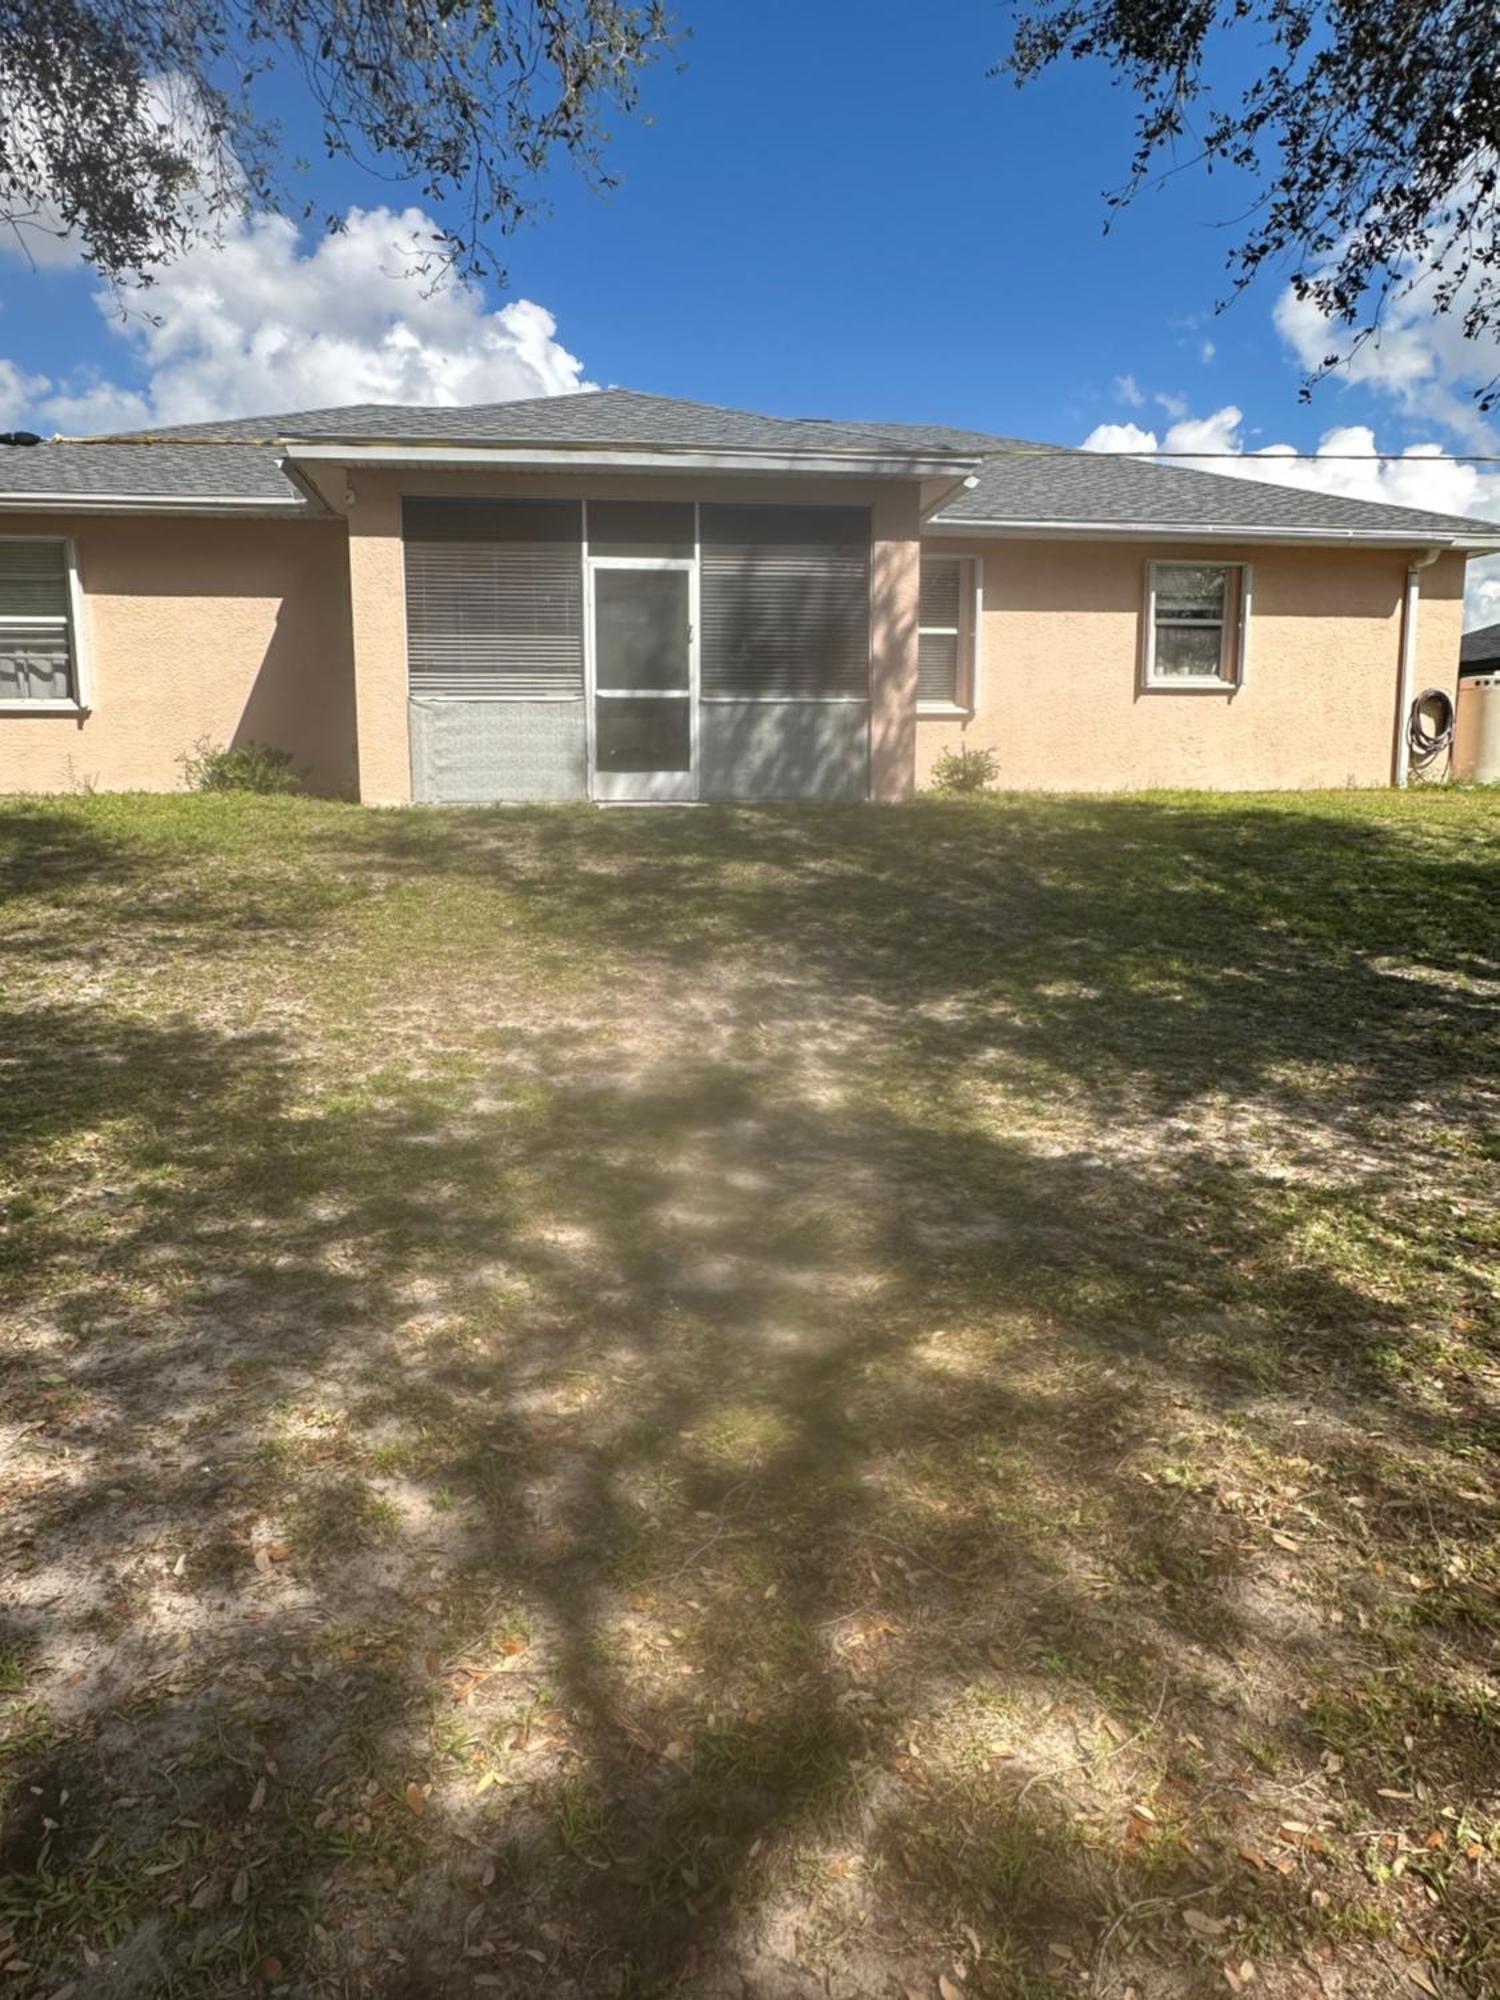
[230,628]
[372,501]
[293,633]
[1060,697]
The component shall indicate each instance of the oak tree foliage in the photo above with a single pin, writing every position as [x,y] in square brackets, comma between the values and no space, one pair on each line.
[137,127]
[1369,134]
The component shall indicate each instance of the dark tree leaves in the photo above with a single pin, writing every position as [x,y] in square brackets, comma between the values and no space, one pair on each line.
[132,125]
[1370,133]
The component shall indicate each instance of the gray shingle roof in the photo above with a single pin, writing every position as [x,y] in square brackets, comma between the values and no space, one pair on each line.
[157,472]
[234,460]
[1480,648]
[1079,488]
[603,417]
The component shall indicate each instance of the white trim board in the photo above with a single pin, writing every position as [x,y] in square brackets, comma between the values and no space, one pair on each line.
[935,527]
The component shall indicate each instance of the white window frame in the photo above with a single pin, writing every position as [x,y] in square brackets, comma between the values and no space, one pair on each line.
[80,702]
[970,622]
[679,787]
[1234,632]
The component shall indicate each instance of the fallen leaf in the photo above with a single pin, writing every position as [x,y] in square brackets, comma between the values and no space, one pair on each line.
[258,1796]
[263,1560]
[947,1988]
[241,1887]
[271,1969]
[416,1798]
[1420,1976]
[1203,1925]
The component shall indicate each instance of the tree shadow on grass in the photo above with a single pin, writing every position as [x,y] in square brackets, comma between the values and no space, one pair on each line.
[774,1510]
[778,1402]
[1142,950]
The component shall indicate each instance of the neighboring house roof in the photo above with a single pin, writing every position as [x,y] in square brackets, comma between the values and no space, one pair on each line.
[242,462]
[1479,650]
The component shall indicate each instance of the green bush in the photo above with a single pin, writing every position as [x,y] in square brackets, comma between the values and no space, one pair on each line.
[964,771]
[248,767]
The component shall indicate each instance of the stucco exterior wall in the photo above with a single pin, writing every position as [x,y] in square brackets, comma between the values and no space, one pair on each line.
[231,628]
[371,499]
[1060,700]
[293,633]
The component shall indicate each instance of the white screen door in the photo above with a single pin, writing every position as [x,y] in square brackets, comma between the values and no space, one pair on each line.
[644,670]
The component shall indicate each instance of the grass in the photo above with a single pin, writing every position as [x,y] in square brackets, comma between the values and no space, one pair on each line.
[802,1401]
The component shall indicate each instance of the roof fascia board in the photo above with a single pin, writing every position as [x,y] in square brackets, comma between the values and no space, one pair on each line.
[628,458]
[147,503]
[1135,531]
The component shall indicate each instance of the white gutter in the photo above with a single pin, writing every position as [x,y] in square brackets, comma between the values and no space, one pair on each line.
[145,503]
[1186,531]
[626,458]
[1411,606]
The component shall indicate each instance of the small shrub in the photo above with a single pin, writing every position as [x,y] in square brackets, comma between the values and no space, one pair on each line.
[964,771]
[248,767]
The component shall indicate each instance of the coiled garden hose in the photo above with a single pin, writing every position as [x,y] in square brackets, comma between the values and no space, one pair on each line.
[1431,742]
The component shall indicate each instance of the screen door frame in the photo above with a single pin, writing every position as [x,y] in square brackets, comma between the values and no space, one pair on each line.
[641,786]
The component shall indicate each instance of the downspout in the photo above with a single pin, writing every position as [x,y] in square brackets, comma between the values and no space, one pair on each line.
[1409,611]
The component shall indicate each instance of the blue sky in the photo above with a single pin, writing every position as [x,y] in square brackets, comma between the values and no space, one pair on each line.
[834,210]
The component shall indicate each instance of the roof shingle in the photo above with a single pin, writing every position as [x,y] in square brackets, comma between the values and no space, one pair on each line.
[1078,488]
[1479,650]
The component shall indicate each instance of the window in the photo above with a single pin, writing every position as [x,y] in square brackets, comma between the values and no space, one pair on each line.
[946,626]
[1196,615]
[785,603]
[38,652]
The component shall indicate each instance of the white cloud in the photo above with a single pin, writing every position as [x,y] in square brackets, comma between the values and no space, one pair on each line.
[1419,359]
[1347,461]
[1129,392]
[261,323]
[1119,437]
[1175,406]
[18,394]
[1207,351]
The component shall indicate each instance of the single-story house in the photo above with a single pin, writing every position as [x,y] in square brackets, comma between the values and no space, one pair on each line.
[620,596]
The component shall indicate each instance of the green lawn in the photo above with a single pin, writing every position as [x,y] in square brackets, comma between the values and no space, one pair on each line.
[774,1403]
